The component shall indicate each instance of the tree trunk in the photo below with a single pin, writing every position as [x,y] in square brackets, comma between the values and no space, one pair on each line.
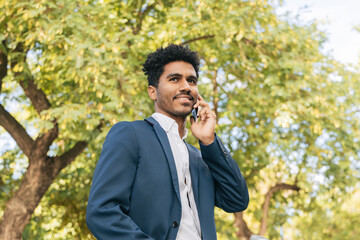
[243,232]
[38,177]
[215,95]
[20,207]
[42,169]
[40,174]
[266,204]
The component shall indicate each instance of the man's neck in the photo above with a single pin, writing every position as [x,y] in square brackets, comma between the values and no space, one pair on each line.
[182,125]
[181,122]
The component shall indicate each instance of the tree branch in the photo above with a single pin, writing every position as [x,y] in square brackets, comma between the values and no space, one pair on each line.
[250,42]
[266,204]
[215,94]
[198,38]
[142,15]
[3,63]
[38,100]
[43,141]
[17,132]
[36,95]
[62,161]
[243,232]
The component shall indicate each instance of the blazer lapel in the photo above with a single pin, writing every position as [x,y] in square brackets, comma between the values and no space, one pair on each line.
[164,141]
[193,162]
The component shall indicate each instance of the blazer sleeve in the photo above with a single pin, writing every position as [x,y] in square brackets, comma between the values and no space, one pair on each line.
[231,193]
[109,198]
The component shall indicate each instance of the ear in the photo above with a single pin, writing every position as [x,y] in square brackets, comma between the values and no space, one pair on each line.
[152,92]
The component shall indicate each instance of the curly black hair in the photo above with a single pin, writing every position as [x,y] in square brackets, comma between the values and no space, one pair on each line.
[155,62]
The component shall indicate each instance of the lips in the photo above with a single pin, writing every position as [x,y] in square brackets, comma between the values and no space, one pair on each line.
[184,97]
[184,100]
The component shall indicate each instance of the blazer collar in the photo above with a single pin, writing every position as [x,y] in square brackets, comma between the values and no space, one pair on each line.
[164,142]
[193,161]
[151,121]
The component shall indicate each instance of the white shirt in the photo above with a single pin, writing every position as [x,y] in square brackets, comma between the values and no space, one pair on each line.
[189,227]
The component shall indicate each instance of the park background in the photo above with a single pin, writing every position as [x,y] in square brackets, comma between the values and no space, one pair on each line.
[287,107]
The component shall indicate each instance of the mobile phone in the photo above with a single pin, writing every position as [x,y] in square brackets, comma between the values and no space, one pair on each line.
[194,113]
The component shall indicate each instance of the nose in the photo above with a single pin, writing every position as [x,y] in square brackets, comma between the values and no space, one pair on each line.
[184,85]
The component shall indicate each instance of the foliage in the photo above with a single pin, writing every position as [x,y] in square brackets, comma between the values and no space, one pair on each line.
[10,169]
[329,220]
[287,112]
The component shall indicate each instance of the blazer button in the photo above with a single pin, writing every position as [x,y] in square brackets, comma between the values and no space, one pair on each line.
[175,224]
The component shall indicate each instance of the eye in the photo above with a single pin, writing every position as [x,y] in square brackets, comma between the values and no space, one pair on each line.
[173,79]
[193,81]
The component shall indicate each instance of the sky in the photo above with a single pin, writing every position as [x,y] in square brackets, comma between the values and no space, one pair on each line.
[340,17]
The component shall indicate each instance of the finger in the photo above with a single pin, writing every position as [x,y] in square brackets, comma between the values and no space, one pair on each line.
[196,104]
[199,110]
[202,104]
[200,98]
[207,114]
[203,114]
[210,113]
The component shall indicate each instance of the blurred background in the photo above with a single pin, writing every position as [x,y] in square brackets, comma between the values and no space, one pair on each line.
[282,77]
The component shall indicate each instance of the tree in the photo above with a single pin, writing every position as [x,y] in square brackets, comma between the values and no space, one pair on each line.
[58,57]
[288,112]
[323,222]
[71,69]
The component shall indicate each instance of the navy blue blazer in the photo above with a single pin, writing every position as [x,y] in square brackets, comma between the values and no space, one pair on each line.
[135,190]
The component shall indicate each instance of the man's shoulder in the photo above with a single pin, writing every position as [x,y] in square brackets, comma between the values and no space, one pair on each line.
[136,129]
[137,124]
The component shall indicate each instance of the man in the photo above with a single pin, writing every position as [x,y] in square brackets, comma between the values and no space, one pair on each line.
[149,183]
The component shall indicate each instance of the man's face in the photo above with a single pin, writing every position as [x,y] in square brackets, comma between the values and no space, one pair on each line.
[177,90]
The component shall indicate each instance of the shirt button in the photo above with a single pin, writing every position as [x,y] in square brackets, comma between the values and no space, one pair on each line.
[175,224]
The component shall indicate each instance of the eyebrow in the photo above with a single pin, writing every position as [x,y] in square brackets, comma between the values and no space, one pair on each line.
[179,75]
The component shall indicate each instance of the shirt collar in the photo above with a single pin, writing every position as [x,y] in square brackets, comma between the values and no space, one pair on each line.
[168,124]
